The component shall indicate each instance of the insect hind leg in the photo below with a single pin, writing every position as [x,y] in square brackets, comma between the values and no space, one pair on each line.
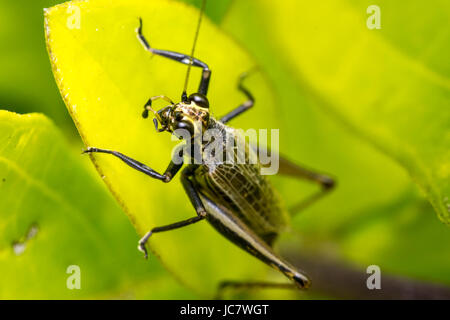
[326,183]
[179,57]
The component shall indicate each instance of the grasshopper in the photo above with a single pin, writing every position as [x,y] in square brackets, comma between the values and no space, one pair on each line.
[236,199]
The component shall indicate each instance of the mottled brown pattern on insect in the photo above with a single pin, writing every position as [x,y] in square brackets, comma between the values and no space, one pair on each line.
[194,112]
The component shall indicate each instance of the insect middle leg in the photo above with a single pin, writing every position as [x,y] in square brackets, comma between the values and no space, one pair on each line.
[172,226]
[180,57]
[196,202]
[170,172]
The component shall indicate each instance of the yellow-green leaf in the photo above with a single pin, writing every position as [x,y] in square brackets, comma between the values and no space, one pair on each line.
[54,213]
[105,77]
[390,86]
[376,215]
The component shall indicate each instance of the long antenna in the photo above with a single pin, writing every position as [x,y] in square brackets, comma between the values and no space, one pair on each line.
[193,49]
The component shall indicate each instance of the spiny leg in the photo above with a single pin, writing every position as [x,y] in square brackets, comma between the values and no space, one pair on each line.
[229,225]
[291,169]
[325,182]
[196,202]
[244,106]
[183,58]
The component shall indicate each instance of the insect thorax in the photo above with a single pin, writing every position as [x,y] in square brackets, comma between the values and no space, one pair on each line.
[194,112]
[223,145]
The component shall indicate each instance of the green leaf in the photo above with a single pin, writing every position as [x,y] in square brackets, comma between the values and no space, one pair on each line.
[375,215]
[26,80]
[105,77]
[309,136]
[388,86]
[399,237]
[55,213]
[215,10]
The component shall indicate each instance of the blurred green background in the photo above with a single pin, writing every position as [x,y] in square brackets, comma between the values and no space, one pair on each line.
[369,106]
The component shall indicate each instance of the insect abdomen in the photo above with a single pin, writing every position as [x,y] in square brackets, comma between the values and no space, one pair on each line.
[239,186]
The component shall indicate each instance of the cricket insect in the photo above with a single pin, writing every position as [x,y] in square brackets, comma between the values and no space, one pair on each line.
[235,199]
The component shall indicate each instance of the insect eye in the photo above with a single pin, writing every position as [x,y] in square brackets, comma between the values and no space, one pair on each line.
[199,100]
[186,125]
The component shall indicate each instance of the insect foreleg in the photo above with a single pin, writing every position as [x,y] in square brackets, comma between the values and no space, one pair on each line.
[196,202]
[170,172]
[244,106]
[180,57]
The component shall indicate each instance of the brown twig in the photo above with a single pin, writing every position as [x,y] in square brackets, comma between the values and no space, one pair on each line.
[335,279]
